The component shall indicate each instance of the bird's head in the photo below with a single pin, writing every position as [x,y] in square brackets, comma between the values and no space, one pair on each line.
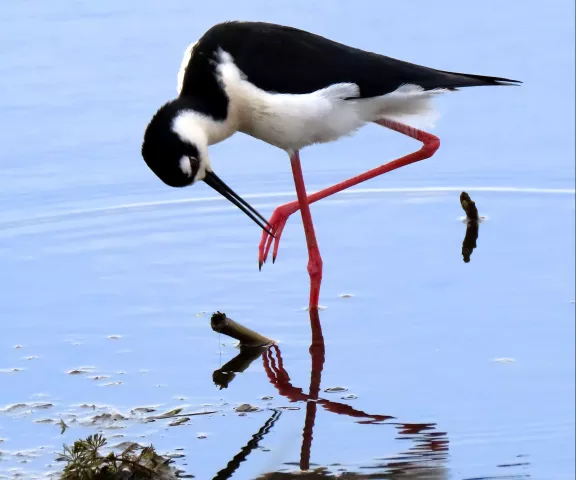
[177,156]
[175,148]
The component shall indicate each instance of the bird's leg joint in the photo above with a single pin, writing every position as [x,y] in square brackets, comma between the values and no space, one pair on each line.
[315,266]
[431,144]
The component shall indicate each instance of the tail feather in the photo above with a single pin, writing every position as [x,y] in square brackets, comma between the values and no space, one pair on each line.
[453,80]
[409,104]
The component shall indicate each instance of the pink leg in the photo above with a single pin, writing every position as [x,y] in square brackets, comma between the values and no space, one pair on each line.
[314,258]
[281,214]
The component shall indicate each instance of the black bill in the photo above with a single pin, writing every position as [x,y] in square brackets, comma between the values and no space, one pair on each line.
[218,184]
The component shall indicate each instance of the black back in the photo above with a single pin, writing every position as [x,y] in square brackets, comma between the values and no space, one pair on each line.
[283,59]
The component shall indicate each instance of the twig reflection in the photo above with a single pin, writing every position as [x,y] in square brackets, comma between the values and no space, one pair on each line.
[226,373]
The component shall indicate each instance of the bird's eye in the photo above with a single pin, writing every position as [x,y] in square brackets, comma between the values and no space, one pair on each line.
[189,165]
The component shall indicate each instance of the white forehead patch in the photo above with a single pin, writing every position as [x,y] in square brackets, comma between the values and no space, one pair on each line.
[185,166]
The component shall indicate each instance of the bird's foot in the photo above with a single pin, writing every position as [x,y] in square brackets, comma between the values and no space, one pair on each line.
[277,222]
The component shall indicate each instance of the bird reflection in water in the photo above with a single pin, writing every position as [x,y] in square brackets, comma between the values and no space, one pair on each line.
[424,459]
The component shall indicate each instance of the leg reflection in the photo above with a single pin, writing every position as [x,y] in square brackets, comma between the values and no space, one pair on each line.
[317,352]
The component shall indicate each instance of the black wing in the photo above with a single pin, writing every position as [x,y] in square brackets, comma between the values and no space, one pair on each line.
[283,59]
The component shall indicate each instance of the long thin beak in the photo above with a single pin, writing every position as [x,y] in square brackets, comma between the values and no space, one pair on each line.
[218,184]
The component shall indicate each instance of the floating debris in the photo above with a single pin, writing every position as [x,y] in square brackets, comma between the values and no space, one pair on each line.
[104,418]
[11,370]
[81,370]
[27,454]
[125,445]
[45,420]
[114,337]
[99,377]
[174,455]
[179,421]
[18,346]
[26,406]
[169,413]
[335,389]
[350,397]
[142,410]
[346,295]
[201,435]
[11,408]
[246,408]
[504,360]
[111,384]
[267,398]
[30,357]
[63,427]
[176,413]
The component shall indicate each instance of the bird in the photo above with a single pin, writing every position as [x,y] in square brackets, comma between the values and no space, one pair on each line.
[289,88]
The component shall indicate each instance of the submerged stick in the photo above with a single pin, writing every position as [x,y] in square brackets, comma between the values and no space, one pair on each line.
[248,338]
[469,207]
[472,226]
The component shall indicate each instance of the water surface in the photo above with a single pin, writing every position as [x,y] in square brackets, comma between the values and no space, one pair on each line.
[450,369]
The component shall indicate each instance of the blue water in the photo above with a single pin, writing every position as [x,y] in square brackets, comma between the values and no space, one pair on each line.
[93,245]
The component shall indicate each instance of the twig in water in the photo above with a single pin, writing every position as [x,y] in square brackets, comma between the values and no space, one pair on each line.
[222,324]
[472,226]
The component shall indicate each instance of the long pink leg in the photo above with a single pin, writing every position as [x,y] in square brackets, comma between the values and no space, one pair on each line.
[314,258]
[281,214]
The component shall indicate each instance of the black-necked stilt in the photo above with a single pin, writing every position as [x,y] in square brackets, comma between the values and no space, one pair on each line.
[291,89]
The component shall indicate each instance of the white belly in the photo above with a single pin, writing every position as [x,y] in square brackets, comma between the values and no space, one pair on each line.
[292,122]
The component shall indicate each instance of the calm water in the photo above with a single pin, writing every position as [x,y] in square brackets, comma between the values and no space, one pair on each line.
[448,370]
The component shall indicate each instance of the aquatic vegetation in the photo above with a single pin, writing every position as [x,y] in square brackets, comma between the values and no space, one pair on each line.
[85,461]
